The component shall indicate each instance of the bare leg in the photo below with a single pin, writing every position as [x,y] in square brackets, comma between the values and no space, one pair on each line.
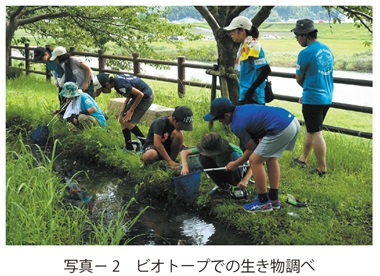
[273,172]
[258,172]
[176,144]
[307,147]
[319,146]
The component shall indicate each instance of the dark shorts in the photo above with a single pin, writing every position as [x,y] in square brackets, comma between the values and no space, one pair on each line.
[314,115]
[166,146]
[140,110]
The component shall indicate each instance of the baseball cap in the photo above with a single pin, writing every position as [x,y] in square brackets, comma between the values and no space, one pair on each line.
[304,26]
[219,107]
[38,53]
[59,51]
[103,78]
[184,116]
[240,22]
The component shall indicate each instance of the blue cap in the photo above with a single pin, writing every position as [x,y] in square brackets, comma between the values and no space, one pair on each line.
[103,78]
[219,107]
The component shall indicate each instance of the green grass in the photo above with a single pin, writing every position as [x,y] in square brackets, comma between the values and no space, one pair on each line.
[340,205]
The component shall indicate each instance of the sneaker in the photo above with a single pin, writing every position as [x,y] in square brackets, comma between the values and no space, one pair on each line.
[257,206]
[300,163]
[316,171]
[275,204]
[219,191]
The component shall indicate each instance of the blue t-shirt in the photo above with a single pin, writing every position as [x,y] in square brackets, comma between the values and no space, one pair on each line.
[256,121]
[251,60]
[316,64]
[51,65]
[124,83]
[86,101]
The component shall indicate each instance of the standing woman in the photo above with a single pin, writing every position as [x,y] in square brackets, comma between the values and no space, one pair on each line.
[250,61]
[43,55]
[76,70]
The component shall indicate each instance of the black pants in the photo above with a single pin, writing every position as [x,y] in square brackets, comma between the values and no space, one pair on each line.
[222,177]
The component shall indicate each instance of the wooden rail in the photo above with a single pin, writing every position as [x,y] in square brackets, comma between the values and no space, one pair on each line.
[181,81]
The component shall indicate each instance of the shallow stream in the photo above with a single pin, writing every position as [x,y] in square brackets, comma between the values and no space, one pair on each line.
[156,226]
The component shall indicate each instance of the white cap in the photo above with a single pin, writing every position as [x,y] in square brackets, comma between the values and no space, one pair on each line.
[59,51]
[240,22]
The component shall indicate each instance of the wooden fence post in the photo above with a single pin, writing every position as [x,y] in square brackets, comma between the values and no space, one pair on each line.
[136,64]
[223,83]
[27,60]
[213,92]
[47,72]
[181,77]
[101,60]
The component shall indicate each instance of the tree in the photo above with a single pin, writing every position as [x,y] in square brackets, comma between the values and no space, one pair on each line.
[362,15]
[132,28]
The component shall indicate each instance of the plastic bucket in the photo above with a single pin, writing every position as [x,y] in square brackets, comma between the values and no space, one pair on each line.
[187,186]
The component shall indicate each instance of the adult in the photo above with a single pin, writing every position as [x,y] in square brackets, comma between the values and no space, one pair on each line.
[314,73]
[266,132]
[43,55]
[76,70]
[82,109]
[139,97]
[250,61]
[214,152]
[165,138]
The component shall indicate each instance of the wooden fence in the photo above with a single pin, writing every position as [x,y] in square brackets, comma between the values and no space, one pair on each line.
[181,81]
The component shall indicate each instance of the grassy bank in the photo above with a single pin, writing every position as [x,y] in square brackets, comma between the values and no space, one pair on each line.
[340,205]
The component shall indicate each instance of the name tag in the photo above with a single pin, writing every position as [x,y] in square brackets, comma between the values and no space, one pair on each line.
[260,61]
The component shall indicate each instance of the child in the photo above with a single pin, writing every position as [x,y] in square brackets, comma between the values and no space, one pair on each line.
[165,138]
[139,97]
[82,109]
[266,132]
[215,151]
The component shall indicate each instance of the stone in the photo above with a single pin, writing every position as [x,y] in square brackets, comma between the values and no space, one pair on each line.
[114,106]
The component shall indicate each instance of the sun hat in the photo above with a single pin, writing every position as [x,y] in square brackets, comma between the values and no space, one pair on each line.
[213,144]
[304,26]
[219,107]
[103,78]
[70,90]
[184,116]
[240,22]
[59,51]
[38,53]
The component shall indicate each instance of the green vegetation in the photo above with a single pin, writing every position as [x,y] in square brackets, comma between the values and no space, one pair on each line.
[346,42]
[36,212]
[340,205]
